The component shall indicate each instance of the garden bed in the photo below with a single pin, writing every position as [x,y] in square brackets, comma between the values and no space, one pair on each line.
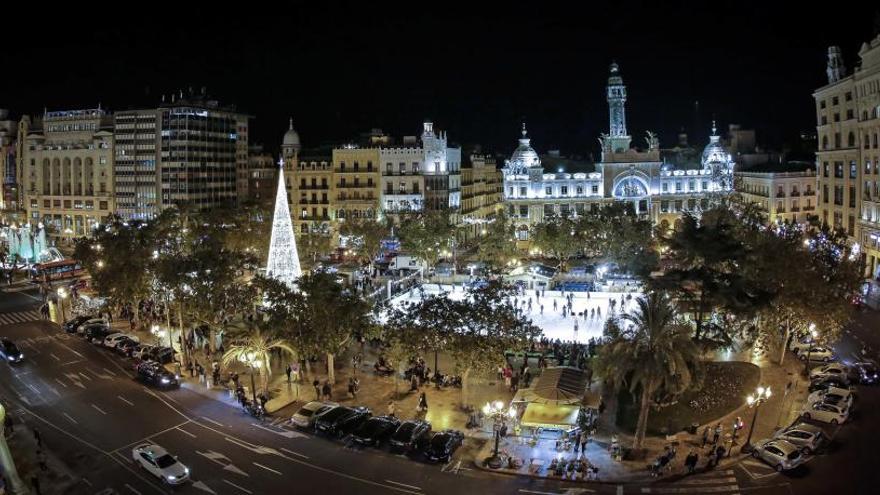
[724,388]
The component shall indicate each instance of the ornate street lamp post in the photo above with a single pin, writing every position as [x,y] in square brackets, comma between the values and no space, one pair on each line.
[761,395]
[253,363]
[813,336]
[7,464]
[62,295]
[496,411]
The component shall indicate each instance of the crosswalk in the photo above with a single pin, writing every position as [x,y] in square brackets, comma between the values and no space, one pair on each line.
[721,482]
[20,317]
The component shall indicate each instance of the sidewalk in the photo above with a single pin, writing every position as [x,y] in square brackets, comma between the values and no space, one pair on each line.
[56,478]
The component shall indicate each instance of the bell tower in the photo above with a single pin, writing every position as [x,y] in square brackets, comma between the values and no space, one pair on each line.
[618,139]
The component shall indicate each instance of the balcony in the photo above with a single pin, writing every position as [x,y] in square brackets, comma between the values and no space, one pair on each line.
[350,186]
[368,170]
[780,194]
[795,194]
[795,209]
[809,208]
[780,210]
[315,187]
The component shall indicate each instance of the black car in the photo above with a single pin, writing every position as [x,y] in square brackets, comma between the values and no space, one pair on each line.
[375,430]
[411,435]
[162,355]
[155,374]
[443,444]
[10,351]
[865,373]
[353,422]
[335,421]
[826,382]
[125,347]
[97,332]
[71,325]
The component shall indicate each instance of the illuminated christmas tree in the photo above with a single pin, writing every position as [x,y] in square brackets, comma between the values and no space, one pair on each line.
[283,264]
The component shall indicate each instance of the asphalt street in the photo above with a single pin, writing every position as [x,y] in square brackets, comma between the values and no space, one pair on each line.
[91,412]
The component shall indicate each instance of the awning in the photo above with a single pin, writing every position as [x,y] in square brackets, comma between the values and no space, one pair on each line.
[558,385]
[549,416]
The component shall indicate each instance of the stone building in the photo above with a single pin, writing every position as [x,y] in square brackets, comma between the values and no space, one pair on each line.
[786,191]
[481,184]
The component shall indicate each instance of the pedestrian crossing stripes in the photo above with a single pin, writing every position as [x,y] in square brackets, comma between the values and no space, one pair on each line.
[20,317]
[721,482]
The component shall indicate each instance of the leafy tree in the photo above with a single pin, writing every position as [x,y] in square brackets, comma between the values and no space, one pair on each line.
[426,234]
[557,237]
[497,246]
[312,245]
[615,232]
[649,351]
[336,315]
[287,315]
[366,236]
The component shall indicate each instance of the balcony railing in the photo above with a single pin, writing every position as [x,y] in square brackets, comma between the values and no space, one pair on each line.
[795,193]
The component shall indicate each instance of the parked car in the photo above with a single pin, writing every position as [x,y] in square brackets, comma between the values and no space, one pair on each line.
[112,340]
[158,462]
[803,435]
[375,430]
[832,395]
[72,324]
[832,369]
[826,412]
[155,374]
[307,414]
[329,423]
[159,354]
[97,333]
[353,422]
[411,436]
[818,353]
[801,343]
[865,373]
[126,347]
[142,351]
[780,454]
[81,327]
[10,352]
[827,382]
[443,444]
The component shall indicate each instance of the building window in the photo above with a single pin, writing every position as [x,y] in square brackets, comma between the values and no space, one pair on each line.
[523,211]
[852,196]
[580,190]
[851,140]
[851,225]
[564,190]
[548,209]
[825,193]
[664,205]
[849,114]
[692,185]
[665,187]
[825,169]
[388,168]
[824,142]
[838,170]
[853,169]
[678,186]
[824,120]
[838,195]
[510,192]
[522,191]
[595,189]
[836,140]
[834,100]
[822,104]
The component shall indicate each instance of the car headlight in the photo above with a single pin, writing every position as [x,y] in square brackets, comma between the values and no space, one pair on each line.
[186,470]
[9,358]
[171,478]
[166,381]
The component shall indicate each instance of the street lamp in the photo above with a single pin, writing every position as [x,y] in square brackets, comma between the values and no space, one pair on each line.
[813,336]
[250,359]
[496,411]
[761,395]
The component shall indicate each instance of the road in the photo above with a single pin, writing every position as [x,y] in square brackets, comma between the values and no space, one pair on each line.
[91,412]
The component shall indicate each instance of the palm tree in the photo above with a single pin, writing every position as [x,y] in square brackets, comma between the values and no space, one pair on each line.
[648,350]
[255,349]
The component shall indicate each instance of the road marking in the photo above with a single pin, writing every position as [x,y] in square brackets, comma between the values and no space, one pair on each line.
[87,377]
[86,481]
[619,489]
[285,433]
[108,371]
[35,389]
[266,468]
[69,418]
[294,453]
[72,362]
[203,487]
[706,489]
[705,481]
[132,489]
[240,488]
[186,432]
[211,421]
[403,485]
[54,356]
[217,458]
[523,490]
[99,409]
[123,399]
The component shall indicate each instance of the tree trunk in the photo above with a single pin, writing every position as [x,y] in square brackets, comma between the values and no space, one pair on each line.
[465,385]
[184,348]
[642,423]
[331,375]
[784,341]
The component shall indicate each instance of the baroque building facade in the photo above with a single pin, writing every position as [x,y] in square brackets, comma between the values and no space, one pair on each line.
[656,188]
[787,192]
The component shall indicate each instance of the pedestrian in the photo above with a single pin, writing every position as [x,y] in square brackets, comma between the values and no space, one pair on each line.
[719,454]
[288,371]
[542,310]
[35,482]
[691,461]
[41,460]
[555,305]
[391,408]
[413,382]
[705,437]
[327,390]
[295,372]
[317,386]
[717,434]
[351,390]
[423,403]
[38,438]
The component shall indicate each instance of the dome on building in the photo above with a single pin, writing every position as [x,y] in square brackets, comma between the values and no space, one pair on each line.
[524,155]
[714,152]
[291,137]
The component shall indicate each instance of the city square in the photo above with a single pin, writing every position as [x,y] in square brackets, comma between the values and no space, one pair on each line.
[553,250]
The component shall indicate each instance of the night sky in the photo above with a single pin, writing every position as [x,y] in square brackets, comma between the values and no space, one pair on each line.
[341,70]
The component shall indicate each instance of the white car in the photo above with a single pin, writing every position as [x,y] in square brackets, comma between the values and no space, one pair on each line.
[836,370]
[832,395]
[141,350]
[94,321]
[826,412]
[113,339]
[780,454]
[305,417]
[817,353]
[160,463]
[804,435]
[799,345]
